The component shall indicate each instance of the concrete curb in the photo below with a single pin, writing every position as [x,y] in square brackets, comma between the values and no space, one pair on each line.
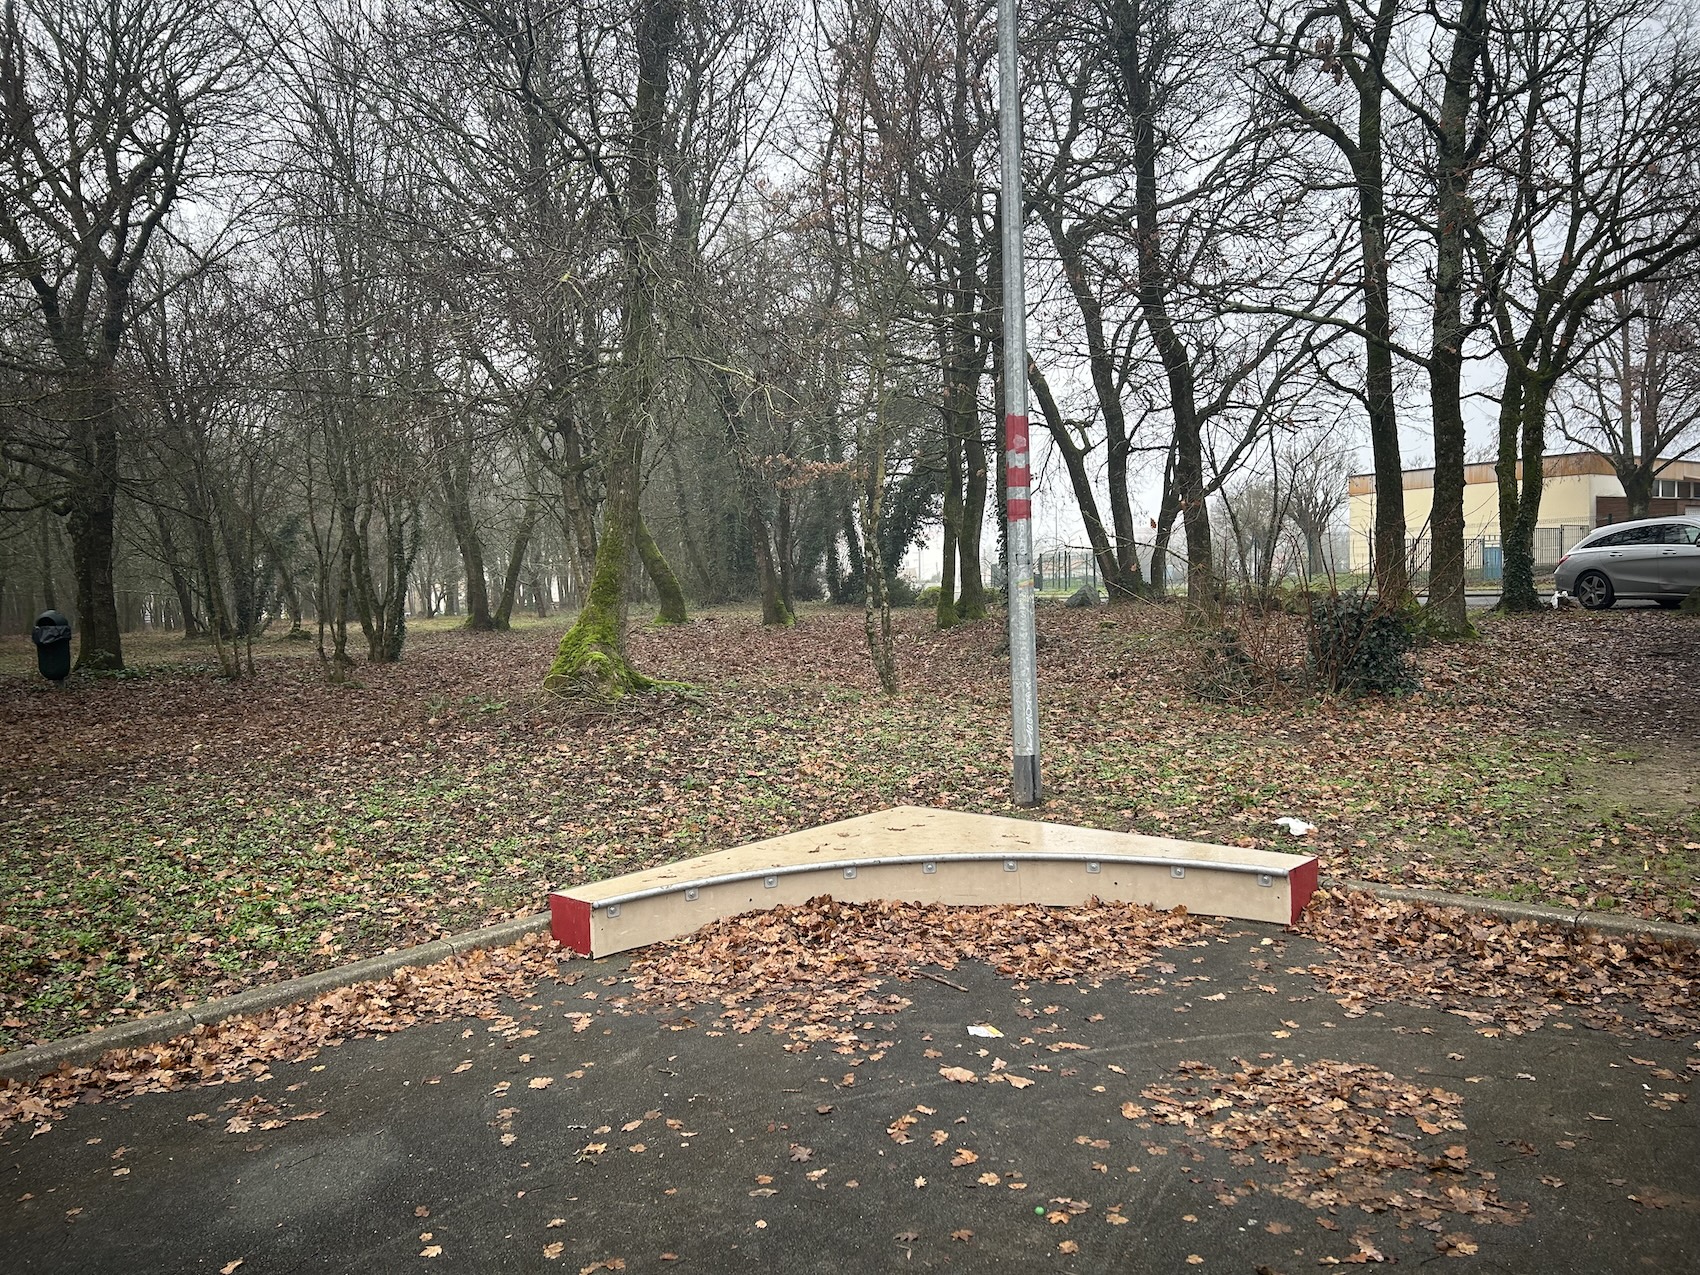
[1540,913]
[39,1060]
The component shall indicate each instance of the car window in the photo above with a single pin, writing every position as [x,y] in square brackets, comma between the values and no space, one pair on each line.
[1628,536]
[1679,533]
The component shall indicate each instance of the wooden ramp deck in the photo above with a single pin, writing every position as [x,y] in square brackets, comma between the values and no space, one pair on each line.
[925,855]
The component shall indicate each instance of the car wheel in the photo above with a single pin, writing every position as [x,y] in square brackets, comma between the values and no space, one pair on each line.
[1594,591]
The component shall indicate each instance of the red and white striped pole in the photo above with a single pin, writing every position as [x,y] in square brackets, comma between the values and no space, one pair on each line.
[1023,671]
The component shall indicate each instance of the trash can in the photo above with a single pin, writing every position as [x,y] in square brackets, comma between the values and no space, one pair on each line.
[52,638]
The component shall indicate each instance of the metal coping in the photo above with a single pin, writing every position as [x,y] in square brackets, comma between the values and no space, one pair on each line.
[838,865]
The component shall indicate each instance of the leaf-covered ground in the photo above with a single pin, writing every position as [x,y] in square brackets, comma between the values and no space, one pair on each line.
[168,836]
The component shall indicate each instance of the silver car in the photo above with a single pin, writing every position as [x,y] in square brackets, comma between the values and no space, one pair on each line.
[1656,559]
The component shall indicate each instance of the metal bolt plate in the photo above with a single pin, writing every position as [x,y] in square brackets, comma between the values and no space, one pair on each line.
[1093,867]
[613,909]
[1177,873]
[927,869]
[1010,865]
[770,882]
[849,874]
[1264,879]
[692,894]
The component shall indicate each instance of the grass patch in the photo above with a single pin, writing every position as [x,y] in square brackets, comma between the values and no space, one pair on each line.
[172,836]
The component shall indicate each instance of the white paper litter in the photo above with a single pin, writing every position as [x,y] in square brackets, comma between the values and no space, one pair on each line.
[1298,827]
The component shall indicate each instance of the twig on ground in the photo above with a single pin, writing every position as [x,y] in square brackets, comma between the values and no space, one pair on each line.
[938,979]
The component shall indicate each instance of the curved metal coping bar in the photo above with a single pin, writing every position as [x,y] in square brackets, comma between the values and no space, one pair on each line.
[835,865]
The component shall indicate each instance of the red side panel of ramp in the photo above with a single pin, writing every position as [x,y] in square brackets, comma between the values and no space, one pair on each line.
[569,922]
[1301,884]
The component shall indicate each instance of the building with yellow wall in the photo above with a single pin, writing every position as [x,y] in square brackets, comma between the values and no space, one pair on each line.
[1579,492]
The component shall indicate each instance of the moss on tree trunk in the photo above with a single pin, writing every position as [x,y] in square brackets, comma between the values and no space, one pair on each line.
[591,659]
[661,575]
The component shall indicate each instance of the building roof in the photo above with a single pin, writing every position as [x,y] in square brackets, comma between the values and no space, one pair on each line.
[1559,465]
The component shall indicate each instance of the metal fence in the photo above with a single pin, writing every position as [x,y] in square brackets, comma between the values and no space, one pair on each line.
[1064,570]
[1484,556]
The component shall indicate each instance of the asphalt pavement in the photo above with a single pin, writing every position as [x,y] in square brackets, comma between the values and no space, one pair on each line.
[1220,1114]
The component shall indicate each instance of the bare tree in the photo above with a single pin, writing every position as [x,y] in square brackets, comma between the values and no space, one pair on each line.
[1327,65]
[1636,398]
[1592,189]
[110,106]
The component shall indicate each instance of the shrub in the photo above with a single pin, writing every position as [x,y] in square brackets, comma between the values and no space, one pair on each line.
[900,590]
[1359,646]
[1225,673]
[928,597]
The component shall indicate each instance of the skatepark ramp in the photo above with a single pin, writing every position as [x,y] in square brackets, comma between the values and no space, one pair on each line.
[925,855]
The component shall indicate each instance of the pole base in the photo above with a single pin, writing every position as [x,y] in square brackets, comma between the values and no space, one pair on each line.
[1027,789]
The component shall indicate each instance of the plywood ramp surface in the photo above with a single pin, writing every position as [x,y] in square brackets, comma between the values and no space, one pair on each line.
[926,855]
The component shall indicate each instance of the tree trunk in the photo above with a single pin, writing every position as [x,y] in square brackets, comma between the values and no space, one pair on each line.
[693,547]
[1522,441]
[592,655]
[458,500]
[774,607]
[179,582]
[503,618]
[1168,509]
[91,526]
[1391,566]
[1122,576]
[945,613]
[1074,460]
[1154,284]
[971,592]
[660,572]
[1638,490]
[876,605]
[1447,611]
[49,594]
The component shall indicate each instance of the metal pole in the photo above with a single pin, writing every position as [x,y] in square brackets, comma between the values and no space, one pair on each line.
[1023,674]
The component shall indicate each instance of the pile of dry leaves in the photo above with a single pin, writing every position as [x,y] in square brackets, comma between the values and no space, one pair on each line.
[1344,1135]
[814,968]
[472,985]
[1512,976]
